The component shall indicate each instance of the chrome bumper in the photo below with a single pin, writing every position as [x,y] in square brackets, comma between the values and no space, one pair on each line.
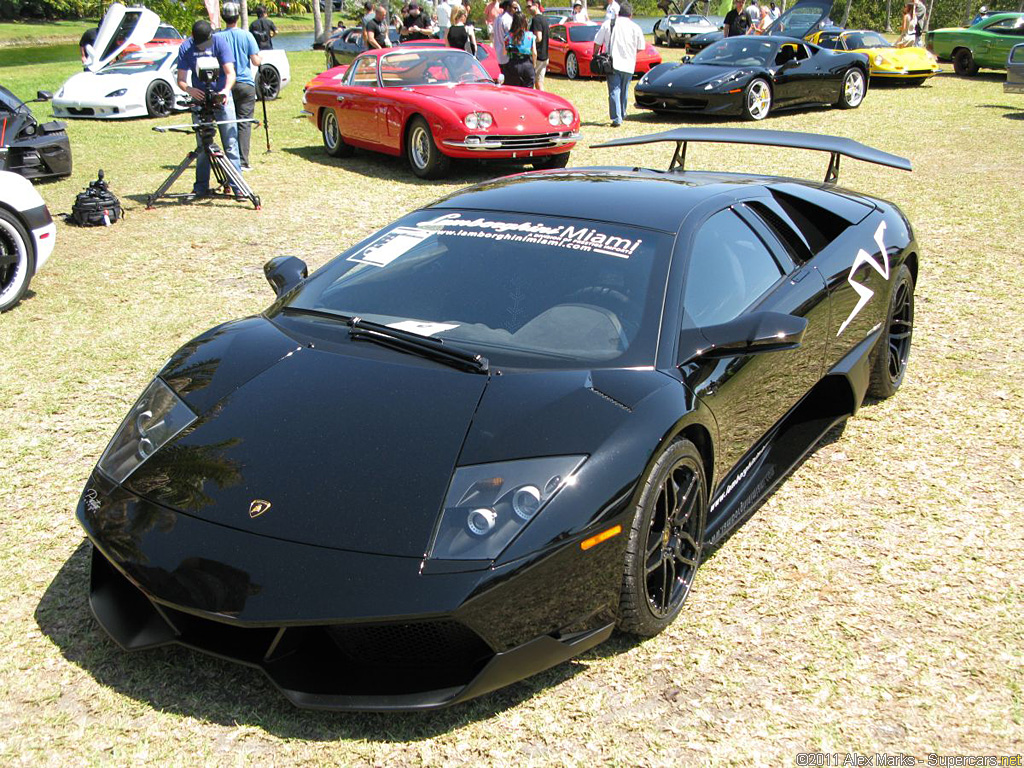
[487,144]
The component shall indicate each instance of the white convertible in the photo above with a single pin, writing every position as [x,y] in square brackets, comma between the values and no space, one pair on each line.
[27,235]
[143,82]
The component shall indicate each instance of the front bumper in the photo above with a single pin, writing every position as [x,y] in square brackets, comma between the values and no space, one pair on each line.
[125,106]
[707,102]
[334,629]
[509,146]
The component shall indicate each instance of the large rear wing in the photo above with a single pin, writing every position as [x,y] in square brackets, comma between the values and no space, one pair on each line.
[837,146]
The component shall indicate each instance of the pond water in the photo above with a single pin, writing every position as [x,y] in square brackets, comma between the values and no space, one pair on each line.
[287,41]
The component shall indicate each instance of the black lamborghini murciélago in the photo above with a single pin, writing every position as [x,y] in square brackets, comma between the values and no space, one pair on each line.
[478,441]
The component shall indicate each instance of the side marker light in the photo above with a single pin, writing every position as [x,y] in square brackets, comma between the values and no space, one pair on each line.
[593,541]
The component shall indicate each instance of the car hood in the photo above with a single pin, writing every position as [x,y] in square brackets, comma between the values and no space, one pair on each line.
[694,76]
[519,105]
[93,84]
[351,445]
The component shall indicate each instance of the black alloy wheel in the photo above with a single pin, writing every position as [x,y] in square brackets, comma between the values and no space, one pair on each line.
[17,260]
[159,99]
[893,349]
[270,82]
[665,542]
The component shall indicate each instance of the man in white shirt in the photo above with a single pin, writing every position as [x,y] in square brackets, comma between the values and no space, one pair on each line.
[444,18]
[623,39]
[499,31]
[611,10]
[754,11]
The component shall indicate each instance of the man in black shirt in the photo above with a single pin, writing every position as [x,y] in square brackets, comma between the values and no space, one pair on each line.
[541,28]
[737,21]
[263,29]
[416,25]
[376,29]
[88,38]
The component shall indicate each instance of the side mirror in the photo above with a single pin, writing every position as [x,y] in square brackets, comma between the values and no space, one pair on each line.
[501,78]
[746,335]
[687,59]
[43,96]
[284,273]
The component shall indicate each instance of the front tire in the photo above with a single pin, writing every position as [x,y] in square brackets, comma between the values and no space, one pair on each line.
[572,66]
[757,99]
[893,348]
[665,542]
[851,92]
[334,142]
[425,159]
[964,63]
[17,260]
[552,161]
[159,99]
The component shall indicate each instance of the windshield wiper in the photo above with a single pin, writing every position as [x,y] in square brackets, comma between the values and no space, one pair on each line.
[336,316]
[433,349]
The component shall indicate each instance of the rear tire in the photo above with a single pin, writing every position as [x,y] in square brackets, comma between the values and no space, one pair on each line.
[665,542]
[425,159]
[270,82]
[853,89]
[17,260]
[893,348]
[334,142]
[572,66]
[964,63]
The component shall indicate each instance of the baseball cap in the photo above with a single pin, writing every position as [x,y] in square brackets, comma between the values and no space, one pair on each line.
[230,11]
[202,34]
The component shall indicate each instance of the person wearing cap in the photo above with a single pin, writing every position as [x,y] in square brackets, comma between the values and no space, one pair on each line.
[204,43]
[579,15]
[416,25]
[246,51]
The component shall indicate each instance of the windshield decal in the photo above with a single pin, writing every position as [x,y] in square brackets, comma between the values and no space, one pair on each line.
[578,238]
[390,246]
[422,327]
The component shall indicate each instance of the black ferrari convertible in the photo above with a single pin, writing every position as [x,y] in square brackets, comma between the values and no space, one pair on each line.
[754,75]
[481,439]
[27,147]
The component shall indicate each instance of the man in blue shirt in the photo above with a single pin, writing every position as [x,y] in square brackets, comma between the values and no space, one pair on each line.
[204,43]
[247,61]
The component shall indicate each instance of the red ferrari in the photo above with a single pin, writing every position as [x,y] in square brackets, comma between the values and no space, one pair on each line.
[572,47]
[432,104]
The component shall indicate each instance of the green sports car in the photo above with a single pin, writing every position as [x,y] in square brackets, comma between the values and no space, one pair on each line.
[984,44]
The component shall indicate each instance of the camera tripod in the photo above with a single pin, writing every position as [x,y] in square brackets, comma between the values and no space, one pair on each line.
[224,172]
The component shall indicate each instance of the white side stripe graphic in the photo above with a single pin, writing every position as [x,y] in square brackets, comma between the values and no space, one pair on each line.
[863,257]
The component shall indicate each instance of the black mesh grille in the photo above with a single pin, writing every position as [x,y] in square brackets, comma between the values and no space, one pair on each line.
[414,646]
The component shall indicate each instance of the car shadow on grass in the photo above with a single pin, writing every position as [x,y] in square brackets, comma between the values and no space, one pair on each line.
[186,682]
[1015,113]
[376,165]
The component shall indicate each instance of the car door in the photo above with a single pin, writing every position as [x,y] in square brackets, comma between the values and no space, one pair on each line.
[796,75]
[995,42]
[737,265]
[358,102]
[557,47]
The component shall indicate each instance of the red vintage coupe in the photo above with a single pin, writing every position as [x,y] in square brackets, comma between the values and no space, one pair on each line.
[572,47]
[432,104]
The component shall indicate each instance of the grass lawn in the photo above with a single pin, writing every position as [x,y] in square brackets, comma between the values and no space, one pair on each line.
[872,605]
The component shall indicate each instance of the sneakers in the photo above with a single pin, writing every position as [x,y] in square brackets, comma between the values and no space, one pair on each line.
[246,167]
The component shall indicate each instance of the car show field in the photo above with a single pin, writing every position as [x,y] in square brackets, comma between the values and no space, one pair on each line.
[870,605]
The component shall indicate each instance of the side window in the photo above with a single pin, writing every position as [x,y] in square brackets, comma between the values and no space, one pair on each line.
[558,33]
[729,269]
[365,71]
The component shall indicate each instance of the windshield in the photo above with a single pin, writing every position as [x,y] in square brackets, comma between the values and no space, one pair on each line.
[687,20]
[430,66]
[856,40]
[583,34]
[139,61]
[519,289]
[743,51]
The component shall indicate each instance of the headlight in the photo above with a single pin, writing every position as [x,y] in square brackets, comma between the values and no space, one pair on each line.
[566,115]
[879,60]
[118,92]
[554,117]
[478,120]
[488,504]
[157,417]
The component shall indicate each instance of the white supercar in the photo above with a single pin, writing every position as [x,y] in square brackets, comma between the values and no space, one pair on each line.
[27,235]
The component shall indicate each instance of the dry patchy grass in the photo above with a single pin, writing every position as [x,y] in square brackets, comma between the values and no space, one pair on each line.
[873,604]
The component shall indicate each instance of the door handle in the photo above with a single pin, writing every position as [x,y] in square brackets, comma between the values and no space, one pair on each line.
[341,98]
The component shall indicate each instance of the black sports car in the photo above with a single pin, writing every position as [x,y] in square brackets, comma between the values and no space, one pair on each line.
[344,45]
[27,147]
[753,76]
[698,43]
[476,442]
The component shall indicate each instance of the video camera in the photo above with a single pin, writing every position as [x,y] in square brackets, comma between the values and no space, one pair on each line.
[207,71]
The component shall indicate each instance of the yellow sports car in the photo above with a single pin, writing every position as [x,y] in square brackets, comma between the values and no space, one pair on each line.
[887,62]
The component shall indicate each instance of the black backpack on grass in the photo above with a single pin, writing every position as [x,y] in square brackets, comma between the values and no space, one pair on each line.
[96,206]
